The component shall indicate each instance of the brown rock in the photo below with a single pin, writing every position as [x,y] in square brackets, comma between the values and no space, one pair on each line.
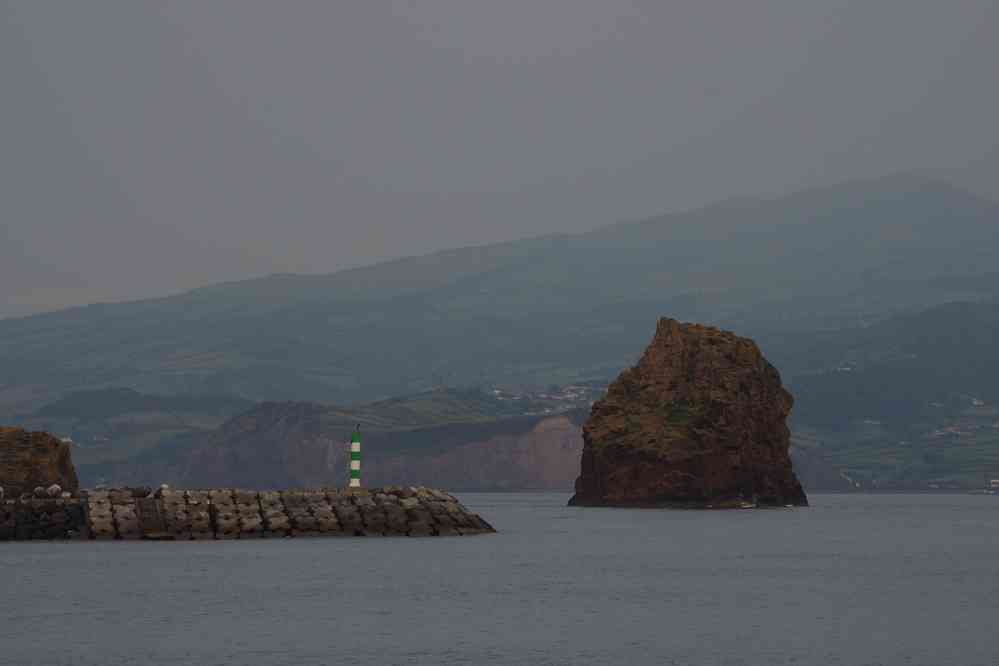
[34,459]
[700,421]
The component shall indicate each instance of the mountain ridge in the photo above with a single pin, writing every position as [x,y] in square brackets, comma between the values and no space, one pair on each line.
[553,309]
[906,181]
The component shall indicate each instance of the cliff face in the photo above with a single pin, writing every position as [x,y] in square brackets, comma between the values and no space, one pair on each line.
[699,421]
[295,445]
[542,456]
[275,445]
[31,459]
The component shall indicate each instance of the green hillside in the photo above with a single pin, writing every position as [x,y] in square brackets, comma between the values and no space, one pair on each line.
[538,311]
[117,426]
[909,400]
[906,402]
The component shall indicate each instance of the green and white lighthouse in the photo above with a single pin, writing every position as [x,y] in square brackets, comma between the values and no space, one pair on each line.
[355,458]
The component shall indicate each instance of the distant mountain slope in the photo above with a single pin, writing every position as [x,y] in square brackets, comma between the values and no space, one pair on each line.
[936,354]
[909,399]
[115,424]
[109,403]
[551,309]
[906,402]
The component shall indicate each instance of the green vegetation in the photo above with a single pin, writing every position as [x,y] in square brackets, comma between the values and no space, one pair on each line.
[680,413]
[912,399]
[538,311]
[118,426]
[850,291]
[103,404]
[436,407]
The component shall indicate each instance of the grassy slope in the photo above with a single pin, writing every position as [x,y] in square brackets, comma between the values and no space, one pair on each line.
[542,310]
[897,400]
[909,379]
[116,425]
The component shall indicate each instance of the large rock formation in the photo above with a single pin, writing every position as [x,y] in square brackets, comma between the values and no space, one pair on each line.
[700,421]
[32,459]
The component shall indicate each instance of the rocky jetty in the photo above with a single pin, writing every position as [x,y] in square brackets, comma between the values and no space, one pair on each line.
[226,513]
[699,422]
[58,511]
[32,460]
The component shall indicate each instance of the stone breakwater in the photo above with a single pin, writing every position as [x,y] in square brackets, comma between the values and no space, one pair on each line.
[225,513]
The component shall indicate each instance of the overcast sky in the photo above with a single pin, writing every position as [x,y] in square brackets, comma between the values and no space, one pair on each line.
[150,147]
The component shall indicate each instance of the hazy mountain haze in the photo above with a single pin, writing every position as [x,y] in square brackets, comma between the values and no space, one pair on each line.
[149,148]
[554,309]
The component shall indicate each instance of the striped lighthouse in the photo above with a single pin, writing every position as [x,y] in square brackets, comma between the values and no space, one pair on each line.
[355,458]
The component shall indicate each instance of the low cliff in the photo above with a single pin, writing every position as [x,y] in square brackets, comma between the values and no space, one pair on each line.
[700,421]
[300,444]
[32,459]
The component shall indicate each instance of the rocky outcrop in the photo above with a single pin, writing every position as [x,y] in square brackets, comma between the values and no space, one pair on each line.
[292,445]
[226,513]
[699,422]
[542,455]
[29,460]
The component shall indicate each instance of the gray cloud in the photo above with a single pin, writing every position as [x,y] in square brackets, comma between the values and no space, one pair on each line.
[152,147]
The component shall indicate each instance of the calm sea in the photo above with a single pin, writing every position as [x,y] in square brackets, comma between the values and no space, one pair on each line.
[862,579]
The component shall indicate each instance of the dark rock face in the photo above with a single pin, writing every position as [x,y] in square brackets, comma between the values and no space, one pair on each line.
[699,422]
[42,519]
[32,459]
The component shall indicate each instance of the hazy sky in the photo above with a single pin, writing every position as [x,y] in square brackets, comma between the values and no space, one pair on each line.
[148,147]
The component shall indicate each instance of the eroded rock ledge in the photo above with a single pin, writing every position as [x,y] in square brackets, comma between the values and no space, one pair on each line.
[225,513]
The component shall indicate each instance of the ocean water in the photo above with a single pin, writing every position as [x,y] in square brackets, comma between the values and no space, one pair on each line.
[855,579]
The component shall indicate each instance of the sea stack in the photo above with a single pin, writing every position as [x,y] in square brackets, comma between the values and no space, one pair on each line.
[699,422]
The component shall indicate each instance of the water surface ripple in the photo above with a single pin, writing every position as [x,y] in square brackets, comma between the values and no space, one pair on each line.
[860,580]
